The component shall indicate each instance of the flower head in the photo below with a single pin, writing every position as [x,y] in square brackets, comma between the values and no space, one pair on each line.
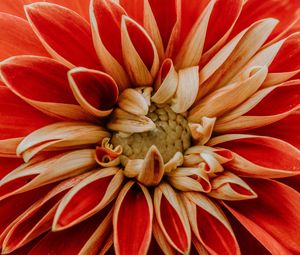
[149,127]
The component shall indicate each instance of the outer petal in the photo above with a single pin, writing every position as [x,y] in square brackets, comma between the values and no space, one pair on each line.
[43,83]
[264,107]
[95,91]
[88,197]
[17,117]
[279,233]
[62,32]
[8,165]
[272,8]
[75,238]
[134,211]
[210,225]
[171,217]
[260,156]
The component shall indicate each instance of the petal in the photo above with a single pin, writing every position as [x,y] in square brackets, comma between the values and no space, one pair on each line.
[272,8]
[43,83]
[59,136]
[139,53]
[95,91]
[8,165]
[172,218]
[88,197]
[260,156]
[75,238]
[230,96]
[106,19]
[37,219]
[134,211]
[39,172]
[62,32]
[18,118]
[17,38]
[210,225]
[279,233]
[264,107]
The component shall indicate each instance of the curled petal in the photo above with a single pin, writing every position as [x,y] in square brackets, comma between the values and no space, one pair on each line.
[153,168]
[61,135]
[201,132]
[260,156]
[233,56]
[264,107]
[209,224]
[230,96]
[42,82]
[139,53]
[106,19]
[191,51]
[134,211]
[229,186]
[59,28]
[37,219]
[133,167]
[88,197]
[188,84]
[252,215]
[166,83]
[174,162]
[190,179]
[95,91]
[36,173]
[130,123]
[106,155]
[133,102]
[171,217]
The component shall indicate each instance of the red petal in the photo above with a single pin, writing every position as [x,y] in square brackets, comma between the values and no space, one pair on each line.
[18,38]
[135,9]
[273,219]
[287,129]
[293,182]
[72,240]
[133,220]
[63,32]
[271,8]
[18,118]
[8,164]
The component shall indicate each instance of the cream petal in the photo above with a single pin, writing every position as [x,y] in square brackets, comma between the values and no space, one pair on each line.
[229,96]
[188,84]
[201,132]
[166,83]
[174,162]
[191,51]
[229,186]
[106,155]
[9,146]
[133,167]
[277,78]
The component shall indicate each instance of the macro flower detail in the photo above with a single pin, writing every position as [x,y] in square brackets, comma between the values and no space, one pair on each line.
[149,127]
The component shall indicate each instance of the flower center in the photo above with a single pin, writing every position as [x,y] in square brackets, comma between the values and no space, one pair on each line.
[171,135]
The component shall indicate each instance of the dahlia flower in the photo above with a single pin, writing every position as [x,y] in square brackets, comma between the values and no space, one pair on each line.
[138,127]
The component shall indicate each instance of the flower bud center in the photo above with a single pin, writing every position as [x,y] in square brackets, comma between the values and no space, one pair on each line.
[171,135]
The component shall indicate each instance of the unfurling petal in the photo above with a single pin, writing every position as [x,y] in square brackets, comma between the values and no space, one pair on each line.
[88,197]
[260,156]
[264,107]
[58,136]
[171,217]
[133,211]
[130,123]
[229,186]
[210,225]
[95,91]
[228,97]
[42,171]
[273,217]
[106,155]
[62,32]
[153,168]
[166,83]
[43,83]
[202,131]
[187,89]
[139,53]
[106,16]
[37,219]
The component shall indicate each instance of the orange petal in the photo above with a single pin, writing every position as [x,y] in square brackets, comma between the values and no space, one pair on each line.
[134,211]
